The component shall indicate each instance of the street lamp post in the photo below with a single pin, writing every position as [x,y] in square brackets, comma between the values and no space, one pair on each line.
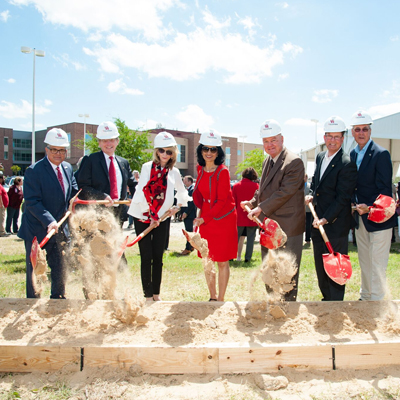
[242,137]
[316,129]
[39,53]
[84,131]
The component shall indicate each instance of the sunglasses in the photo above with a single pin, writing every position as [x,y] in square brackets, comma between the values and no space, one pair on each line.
[55,151]
[207,149]
[162,151]
[365,129]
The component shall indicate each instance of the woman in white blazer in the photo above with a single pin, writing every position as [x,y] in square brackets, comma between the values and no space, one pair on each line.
[154,196]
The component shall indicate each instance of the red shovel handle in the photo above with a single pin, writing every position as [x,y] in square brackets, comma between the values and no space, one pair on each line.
[255,219]
[53,231]
[321,228]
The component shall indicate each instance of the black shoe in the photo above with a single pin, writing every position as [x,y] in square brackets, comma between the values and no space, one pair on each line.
[246,260]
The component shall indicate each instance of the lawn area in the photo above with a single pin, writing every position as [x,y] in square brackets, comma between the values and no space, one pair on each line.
[183,278]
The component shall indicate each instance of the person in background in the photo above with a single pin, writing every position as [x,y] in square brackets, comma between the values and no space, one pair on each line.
[281,194]
[132,190]
[375,173]
[242,191]
[331,190]
[49,185]
[188,213]
[308,211]
[217,221]
[3,205]
[154,196]
[15,196]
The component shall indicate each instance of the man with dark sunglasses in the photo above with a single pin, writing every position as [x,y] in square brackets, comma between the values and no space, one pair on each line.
[374,178]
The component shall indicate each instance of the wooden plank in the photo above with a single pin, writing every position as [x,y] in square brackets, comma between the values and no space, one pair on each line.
[272,358]
[156,360]
[38,358]
[366,355]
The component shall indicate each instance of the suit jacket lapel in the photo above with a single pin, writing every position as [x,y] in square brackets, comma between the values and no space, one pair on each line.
[52,175]
[104,164]
[367,157]
[331,165]
[277,166]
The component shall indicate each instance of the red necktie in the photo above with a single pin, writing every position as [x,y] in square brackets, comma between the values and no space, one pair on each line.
[113,180]
[60,179]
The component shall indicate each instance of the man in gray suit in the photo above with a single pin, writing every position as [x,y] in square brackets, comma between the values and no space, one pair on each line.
[281,194]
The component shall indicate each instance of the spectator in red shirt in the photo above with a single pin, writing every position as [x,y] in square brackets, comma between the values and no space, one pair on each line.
[15,196]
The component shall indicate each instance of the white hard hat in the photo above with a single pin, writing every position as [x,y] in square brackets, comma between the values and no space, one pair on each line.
[334,124]
[210,138]
[361,117]
[107,130]
[56,137]
[270,128]
[164,139]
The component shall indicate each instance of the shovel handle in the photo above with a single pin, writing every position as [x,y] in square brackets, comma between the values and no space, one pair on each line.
[53,231]
[321,228]
[255,219]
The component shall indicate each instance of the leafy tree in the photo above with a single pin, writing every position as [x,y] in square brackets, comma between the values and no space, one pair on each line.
[15,169]
[133,145]
[253,158]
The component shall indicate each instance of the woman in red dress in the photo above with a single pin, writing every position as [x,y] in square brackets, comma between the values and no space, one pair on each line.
[212,195]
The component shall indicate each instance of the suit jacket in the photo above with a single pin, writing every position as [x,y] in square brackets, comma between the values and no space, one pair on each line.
[332,194]
[374,178]
[44,199]
[190,210]
[94,180]
[281,193]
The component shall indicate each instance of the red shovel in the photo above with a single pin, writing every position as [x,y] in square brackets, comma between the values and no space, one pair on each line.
[271,236]
[138,238]
[337,266]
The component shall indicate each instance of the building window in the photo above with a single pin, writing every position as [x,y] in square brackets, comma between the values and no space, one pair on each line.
[6,155]
[5,141]
[182,153]
[22,143]
[227,150]
[20,155]
[239,152]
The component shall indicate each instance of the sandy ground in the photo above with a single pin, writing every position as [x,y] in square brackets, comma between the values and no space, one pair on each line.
[132,322]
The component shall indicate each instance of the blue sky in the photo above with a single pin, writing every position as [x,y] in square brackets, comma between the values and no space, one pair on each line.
[226,65]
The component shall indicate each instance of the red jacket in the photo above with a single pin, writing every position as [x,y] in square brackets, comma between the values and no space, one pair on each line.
[243,191]
[4,197]
[15,196]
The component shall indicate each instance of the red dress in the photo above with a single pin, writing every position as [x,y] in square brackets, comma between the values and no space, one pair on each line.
[213,196]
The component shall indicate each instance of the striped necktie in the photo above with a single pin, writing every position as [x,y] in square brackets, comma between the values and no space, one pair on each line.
[60,179]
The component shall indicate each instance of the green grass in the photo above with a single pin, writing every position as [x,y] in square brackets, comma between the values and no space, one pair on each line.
[183,277]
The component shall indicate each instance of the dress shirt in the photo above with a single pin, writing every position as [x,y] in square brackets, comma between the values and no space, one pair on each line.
[325,162]
[65,180]
[361,153]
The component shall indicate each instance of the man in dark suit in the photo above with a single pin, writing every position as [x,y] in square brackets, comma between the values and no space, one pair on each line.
[48,186]
[374,177]
[104,175]
[188,213]
[281,194]
[331,189]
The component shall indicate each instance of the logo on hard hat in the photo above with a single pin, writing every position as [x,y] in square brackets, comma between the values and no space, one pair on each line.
[211,134]
[59,135]
[106,128]
[267,126]
[166,137]
[332,121]
[359,115]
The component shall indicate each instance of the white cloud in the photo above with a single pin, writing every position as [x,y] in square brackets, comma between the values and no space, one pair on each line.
[394,91]
[193,117]
[48,102]
[394,38]
[10,80]
[281,77]
[324,96]
[283,4]
[213,22]
[66,62]
[384,110]
[104,15]
[118,86]
[95,37]
[5,15]
[11,110]
[189,56]
[248,24]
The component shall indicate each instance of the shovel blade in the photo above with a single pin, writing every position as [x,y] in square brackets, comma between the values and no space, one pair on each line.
[34,252]
[123,247]
[338,267]
[272,236]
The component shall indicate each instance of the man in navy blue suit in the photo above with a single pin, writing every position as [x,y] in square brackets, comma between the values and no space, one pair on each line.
[49,184]
[374,177]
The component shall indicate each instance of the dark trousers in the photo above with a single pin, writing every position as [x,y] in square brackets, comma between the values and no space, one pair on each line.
[331,291]
[151,256]
[309,220]
[251,232]
[55,261]
[188,228]
[12,218]
[294,244]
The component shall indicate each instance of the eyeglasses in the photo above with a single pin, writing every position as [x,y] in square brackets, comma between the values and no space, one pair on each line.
[207,149]
[162,151]
[358,130]
[55,151]
[330,137]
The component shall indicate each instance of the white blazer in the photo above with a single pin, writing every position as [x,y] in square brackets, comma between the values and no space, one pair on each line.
[174,182]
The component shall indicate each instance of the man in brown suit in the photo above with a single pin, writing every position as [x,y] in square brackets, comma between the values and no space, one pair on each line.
[281,194]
